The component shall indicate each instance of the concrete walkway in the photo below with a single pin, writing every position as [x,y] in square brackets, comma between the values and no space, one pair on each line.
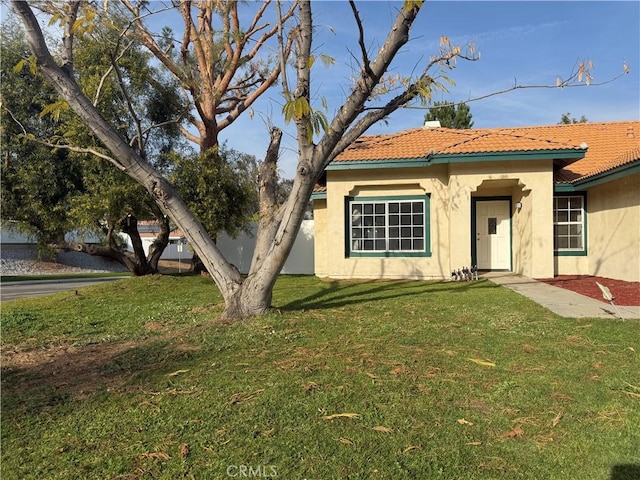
[559,300]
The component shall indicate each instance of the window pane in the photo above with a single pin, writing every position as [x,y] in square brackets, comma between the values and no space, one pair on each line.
[575,242]
[563,216]
[492,225]
[388,226]
[563,202]
[563,230]
[575,230]
[575,202]
[575,216]
[562,242]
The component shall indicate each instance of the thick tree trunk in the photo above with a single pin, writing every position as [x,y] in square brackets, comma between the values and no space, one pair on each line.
[157,248]
[102,251]
[129,225]
[250,299]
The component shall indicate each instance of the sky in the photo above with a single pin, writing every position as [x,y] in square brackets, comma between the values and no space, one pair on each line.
[524,43]
[528,43]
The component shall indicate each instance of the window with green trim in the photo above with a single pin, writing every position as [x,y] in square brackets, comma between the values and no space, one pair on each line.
[388,226]
[569,225]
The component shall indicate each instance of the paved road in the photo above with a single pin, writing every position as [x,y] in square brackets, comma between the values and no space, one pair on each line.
[35,288]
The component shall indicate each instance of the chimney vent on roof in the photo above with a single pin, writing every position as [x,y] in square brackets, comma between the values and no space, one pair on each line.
[630,132]
[432,124]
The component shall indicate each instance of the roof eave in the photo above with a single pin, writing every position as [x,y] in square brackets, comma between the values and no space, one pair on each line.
[319,195]
[583,183]
[370,164]
[518,155]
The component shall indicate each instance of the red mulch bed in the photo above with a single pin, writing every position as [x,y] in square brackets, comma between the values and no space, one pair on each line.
[625,293]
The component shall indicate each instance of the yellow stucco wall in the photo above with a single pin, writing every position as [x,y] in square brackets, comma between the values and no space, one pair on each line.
[613,232]
[321,253]
[451,188]
[529,182]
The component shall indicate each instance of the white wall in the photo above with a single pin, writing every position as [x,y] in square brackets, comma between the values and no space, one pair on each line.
[9,235]
[239,251]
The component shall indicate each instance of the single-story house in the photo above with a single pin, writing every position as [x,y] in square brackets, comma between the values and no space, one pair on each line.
[538,201]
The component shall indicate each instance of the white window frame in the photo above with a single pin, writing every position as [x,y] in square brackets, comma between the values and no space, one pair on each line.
[570,224]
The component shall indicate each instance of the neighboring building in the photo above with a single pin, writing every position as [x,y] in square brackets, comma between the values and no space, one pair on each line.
[177,248]
[539,201]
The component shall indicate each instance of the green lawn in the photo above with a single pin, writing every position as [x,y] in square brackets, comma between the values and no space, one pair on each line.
[343,380]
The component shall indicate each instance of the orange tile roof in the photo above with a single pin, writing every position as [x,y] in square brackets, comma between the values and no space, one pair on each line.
[610,145]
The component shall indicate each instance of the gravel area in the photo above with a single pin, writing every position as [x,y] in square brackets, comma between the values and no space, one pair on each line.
[21,260]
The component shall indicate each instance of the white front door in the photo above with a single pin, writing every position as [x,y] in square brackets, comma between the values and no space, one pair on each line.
[493,235]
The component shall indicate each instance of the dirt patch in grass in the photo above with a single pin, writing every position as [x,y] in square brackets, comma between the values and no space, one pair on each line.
[625,293]
[78,370]
[64,367]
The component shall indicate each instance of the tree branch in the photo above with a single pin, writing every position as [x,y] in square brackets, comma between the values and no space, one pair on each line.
[362,90]
[363,49]
[569,83]
[67,40]
[132,112]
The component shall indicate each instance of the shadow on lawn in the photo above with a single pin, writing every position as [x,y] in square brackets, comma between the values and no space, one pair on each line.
[36,380]
[625,472]
[344,292]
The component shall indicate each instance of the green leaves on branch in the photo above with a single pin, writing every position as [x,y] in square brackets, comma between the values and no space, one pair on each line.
[411,4]
[300,109]
[31,61]
[296,109]
[54,109]
[81,26]
[326,60]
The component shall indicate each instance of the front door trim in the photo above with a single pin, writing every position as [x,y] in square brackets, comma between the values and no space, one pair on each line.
[474,249]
